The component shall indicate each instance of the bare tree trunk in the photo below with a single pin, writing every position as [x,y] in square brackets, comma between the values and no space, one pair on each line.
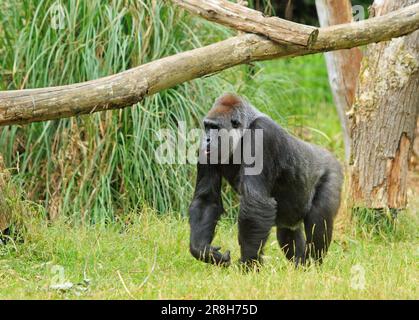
[384,117]
[342,66]
[414,160]
[4,212]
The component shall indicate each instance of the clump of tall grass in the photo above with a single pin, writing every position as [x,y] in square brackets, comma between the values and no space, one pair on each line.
[100,165]
[17,215]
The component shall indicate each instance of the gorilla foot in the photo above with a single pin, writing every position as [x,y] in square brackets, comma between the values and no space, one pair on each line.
[250,265]
[220,259]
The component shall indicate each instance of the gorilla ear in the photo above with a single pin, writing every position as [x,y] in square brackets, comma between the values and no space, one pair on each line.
[235,123]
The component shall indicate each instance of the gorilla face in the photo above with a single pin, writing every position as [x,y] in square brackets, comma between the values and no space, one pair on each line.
[223,132]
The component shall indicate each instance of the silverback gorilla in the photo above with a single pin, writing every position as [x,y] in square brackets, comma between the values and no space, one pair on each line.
[297,189]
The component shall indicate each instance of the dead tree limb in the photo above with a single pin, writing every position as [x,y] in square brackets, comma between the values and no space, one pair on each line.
[245,19]
[126,88]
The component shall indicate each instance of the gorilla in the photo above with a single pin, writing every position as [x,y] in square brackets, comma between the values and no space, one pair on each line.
[297,187]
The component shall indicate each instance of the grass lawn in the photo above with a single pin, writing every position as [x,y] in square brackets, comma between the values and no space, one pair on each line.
[146,257]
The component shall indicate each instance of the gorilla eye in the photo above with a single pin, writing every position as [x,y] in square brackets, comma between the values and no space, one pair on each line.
[209,124]
[235,123]
[212,126]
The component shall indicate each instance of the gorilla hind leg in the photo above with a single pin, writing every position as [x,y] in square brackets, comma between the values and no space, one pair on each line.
[252,239]
[318,234]
[292,242]
[319,221]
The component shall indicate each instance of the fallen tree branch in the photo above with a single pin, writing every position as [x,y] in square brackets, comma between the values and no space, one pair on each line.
[131,86]
[245,19]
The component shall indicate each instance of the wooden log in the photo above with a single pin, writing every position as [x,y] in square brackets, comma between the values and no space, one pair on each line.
[126,88]
[342,65]
[245,19]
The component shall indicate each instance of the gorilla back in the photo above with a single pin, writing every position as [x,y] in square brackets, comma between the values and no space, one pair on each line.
[297,187]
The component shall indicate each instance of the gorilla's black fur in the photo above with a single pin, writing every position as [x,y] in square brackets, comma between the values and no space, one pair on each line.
[298,190]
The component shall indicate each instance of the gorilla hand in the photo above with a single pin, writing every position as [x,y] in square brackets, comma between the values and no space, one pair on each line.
[210,254]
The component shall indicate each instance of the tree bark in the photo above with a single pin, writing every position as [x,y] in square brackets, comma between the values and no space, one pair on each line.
[384,117]
[131,86]
[414,160]
[343,65]
[5,215]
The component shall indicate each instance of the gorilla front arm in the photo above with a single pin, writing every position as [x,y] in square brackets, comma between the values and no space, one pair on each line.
[204,213]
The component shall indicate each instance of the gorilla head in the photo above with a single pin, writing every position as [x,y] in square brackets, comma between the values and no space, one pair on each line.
[225,125]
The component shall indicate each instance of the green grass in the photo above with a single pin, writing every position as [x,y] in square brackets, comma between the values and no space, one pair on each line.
[146,257]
